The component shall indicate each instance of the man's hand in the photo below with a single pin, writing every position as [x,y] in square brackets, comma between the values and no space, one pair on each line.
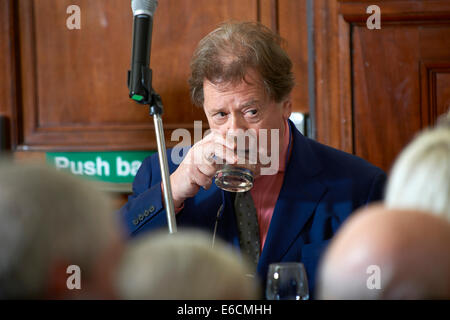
[200,165]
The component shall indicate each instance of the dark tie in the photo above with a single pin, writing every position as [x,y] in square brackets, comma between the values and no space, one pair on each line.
[248,226]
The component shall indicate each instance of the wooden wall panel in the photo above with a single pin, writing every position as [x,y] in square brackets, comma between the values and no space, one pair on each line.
[68,87]
[377,88]
[386,91]
[74,81]
[7,64]
[268,13]
[332,76]
[288,19]
[435,89]
[388,109]
[292,26]
[5,57]
[443,91]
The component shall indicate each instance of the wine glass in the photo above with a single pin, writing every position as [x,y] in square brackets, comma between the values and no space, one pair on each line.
[287,281]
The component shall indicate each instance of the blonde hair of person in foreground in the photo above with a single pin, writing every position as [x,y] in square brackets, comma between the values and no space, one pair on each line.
[184,266]
[420,177]
[49,221]
[388,254]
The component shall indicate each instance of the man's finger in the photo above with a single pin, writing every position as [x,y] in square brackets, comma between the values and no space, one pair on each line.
[208,170]
[224,154]
[201,179]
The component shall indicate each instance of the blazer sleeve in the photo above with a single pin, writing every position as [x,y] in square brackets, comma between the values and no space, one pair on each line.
[144,206]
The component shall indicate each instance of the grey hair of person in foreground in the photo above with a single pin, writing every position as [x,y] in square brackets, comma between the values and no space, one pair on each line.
[420,177]
[184,266]
[50,220]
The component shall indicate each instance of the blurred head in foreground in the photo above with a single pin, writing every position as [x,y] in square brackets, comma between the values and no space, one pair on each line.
[420,177]
[388,254]
[183,266]
[51,224]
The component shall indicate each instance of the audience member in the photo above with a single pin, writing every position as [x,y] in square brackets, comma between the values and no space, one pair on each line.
[51,224]
[420,178]
[184,266]
[388,254]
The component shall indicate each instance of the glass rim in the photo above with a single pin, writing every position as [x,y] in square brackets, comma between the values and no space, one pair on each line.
[286,264]
[230,169]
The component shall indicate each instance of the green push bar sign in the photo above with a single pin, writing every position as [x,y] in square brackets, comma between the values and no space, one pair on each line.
[110,167]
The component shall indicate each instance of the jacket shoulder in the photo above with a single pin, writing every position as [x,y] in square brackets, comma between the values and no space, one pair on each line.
[342,163]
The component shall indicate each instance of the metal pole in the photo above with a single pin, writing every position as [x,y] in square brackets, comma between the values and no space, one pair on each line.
[163,163]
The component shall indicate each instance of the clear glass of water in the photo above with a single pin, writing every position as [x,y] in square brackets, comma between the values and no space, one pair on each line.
[287,281]
[239,177]
[234,178]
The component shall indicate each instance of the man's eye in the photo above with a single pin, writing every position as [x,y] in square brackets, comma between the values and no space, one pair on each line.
[221,114]
[252,112]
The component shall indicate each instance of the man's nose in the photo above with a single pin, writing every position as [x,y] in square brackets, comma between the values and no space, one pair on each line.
[237,123]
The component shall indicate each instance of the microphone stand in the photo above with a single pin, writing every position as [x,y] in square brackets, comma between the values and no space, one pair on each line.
[154,101]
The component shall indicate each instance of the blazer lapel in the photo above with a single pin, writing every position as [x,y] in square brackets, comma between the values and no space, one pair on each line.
[299,195]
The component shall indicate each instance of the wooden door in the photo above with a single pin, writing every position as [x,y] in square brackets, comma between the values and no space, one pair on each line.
[383,85]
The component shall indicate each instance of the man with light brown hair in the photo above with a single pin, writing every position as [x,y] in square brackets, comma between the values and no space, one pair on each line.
[242,79]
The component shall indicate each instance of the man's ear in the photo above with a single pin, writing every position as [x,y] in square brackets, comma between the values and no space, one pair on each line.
[287,108]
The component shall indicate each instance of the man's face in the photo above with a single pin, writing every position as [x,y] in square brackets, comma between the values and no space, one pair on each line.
[244,106]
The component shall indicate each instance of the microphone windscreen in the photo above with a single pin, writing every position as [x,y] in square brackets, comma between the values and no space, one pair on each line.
[144,6]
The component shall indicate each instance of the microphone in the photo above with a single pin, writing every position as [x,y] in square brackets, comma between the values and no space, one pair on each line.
[140,90]
[140,75]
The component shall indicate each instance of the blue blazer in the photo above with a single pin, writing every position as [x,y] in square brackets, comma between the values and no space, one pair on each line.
[321,188]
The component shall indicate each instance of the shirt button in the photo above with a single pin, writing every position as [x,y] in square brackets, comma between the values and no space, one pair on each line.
[152,208]
[141,217]
[146,213]
[135,222]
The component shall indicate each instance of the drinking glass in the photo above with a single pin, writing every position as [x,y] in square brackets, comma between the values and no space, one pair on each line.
[287,281]
[234,178]
[239,177]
